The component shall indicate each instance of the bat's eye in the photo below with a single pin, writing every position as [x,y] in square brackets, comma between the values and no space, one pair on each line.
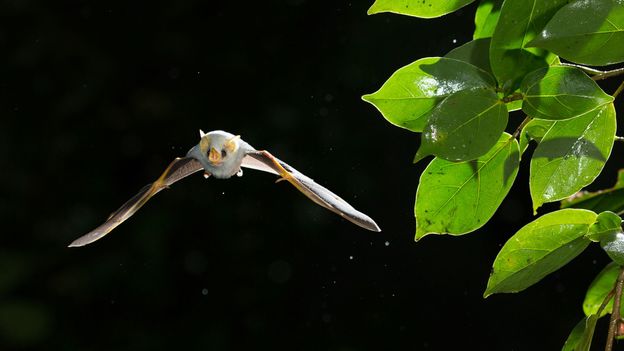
[223,153]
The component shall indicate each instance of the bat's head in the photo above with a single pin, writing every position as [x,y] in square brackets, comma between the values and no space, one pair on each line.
[221,153]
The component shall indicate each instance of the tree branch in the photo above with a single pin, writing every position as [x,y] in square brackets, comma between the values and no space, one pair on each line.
[596,73]
[608,74]
[618,90]
[615,313]
[526,120]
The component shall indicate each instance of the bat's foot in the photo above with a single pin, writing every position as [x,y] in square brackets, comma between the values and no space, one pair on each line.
[239,173]
[206,175]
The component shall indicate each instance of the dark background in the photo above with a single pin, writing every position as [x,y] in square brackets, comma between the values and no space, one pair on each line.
[98,97]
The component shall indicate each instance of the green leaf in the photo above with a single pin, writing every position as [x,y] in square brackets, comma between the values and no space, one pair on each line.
[607,224]
[571,155]
[538,249]
[608,231]
[458,198]
[599,201]
[418,8]
[613,245]
[534,130]
[599,289]
[520,21]
[464,126]
[589,32]
[514,105]
[486,18]
[408,96]
[475,52]
[558,93]
[581,336]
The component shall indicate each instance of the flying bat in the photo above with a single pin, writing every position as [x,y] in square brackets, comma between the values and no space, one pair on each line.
[221,155]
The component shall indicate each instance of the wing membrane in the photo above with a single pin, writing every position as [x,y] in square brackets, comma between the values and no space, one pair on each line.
[264,161]
[177,169]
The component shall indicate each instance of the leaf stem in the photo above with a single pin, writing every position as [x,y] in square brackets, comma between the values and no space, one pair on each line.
[585,69]
[609,74]
[618,90]
[605,302]
[513,97]
[615,313]
[526,121]
[596,73]
[619,138]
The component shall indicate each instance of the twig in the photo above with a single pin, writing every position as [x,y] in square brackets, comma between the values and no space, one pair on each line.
[596,73]
[526,121]
[608,74]
[585,69]
[618,90]
[513,97]
[615,314]
[605,301]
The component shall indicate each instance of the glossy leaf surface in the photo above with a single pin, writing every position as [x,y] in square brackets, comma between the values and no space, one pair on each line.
[589,32]
[534,130]
[540,248]
[558,92]
[408,96]
[571,155]
[605,200]
[464,126]
[418,8]
[520,21]
[581,336]
[458,198]
[599,289]
[607,224]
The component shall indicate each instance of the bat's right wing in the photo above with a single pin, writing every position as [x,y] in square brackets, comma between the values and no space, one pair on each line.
[263,160]
[178,169]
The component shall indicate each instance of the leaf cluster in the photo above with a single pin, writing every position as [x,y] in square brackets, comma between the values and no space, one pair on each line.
[522,80]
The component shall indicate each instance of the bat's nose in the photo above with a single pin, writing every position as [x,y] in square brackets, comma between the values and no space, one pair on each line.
[214,156]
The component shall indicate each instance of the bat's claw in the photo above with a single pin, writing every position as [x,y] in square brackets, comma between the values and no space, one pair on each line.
[280,179]
[206,175]
[239,173]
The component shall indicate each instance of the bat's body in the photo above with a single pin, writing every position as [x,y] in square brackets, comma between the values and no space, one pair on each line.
[222,155]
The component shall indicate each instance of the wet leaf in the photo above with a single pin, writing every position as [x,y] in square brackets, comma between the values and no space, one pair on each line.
[486,18]
[418,8]
[534,130]
[464,126]
[589,32]
[571,155]
[475,52]
[599,201]
[599,289]
[458,198]
[519,22]
[607,224]
[408,96]
[557,93]
[608,231]
[581,336]
[540,248]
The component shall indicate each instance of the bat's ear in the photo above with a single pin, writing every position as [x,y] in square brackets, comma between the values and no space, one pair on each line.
[201,133]
[231,144]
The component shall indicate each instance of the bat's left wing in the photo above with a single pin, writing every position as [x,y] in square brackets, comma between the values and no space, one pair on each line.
[264,161]
[177,169]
